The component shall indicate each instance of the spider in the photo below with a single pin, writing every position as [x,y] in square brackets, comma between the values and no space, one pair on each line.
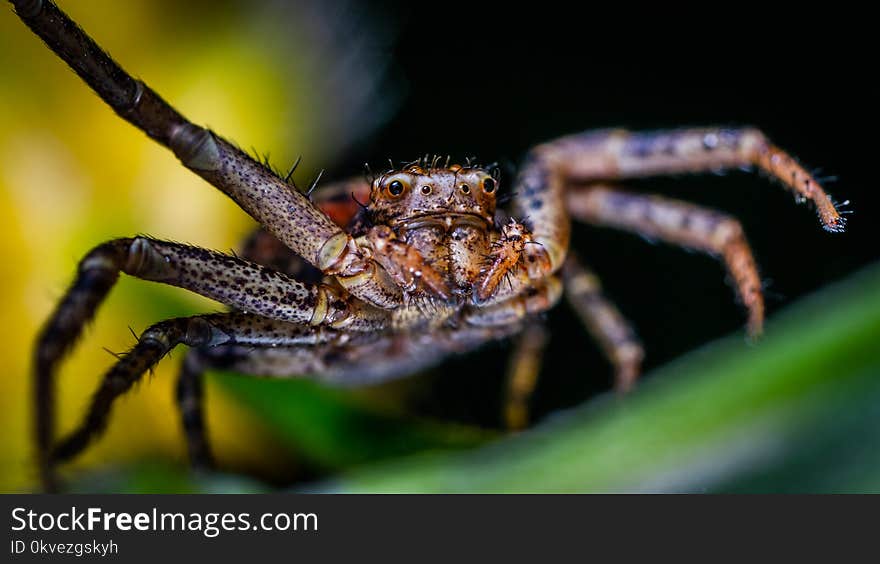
[372,279]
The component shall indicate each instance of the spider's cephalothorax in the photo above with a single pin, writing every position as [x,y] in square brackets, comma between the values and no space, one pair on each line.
[435,229]
[353,293]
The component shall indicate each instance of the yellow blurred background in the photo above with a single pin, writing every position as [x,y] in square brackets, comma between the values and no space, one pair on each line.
[73,174]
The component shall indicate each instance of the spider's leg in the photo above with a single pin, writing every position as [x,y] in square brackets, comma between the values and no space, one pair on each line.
[516,309]
[604,322]
[603,155]
[96,277]
[522,375]
[682,224]
[283,210]
[189,395]
[348,359]
[227,279]
[154,343]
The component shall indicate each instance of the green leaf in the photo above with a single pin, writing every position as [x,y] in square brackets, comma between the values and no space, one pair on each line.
[334,430]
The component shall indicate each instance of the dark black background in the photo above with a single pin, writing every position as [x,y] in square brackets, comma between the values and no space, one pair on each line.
[492,81]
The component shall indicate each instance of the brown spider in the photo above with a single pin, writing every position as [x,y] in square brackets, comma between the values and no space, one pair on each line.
[353,293]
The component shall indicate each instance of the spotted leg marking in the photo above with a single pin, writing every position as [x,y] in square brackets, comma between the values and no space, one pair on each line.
[279,207]
[682,224]
[229,280]
[551,168]
[604,322]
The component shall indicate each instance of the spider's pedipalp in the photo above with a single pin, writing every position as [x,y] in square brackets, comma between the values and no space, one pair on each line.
[520,303]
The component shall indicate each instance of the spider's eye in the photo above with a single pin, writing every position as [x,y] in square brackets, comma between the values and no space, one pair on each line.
[426,189]
[465,189]
[489,185]
[396,188]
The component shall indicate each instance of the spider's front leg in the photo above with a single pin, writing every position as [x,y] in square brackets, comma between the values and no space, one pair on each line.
[619,154]
[227,279]
[551,169]
[604,155]
[275,204]
[513,309]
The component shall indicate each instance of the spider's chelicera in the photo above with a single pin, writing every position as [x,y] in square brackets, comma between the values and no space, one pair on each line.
[373,279]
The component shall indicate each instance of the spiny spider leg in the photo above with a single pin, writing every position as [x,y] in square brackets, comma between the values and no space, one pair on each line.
[283,210]
[230,280]
[604,155]
[682,224]
[604,322]
[154,343]
[256,333]
[189,395]
[522,375]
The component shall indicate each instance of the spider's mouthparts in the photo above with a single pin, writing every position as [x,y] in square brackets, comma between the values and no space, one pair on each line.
[445,220]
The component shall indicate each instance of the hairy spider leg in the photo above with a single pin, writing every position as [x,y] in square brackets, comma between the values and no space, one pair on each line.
[679,223]
[209,330]
[227,279]
[280,208]
[605,323]
[551,168]
[339,200]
